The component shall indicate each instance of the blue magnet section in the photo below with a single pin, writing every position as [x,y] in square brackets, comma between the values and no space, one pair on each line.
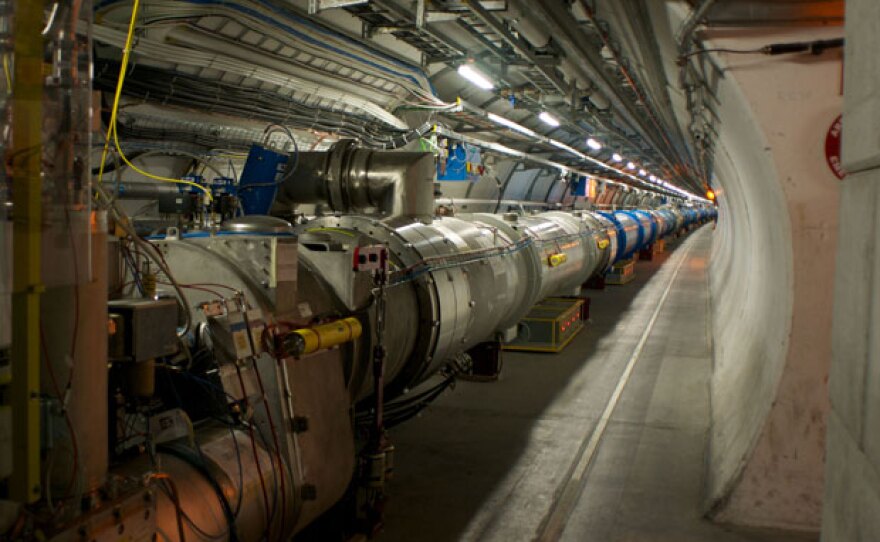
[580,186]
[669,221]
[653,221]
[640,239]
[621,235]
[259,179]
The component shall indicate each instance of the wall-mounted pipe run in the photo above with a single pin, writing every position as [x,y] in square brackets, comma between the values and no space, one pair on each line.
[352,180]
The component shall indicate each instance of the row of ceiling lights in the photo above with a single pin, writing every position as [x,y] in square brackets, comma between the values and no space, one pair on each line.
[469,72]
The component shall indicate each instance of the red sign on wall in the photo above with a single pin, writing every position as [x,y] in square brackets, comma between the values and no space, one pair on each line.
[832,148]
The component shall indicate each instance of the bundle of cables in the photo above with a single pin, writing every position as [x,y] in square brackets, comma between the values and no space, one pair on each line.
[403,409]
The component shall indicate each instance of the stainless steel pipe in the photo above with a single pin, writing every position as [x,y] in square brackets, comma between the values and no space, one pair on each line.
[349,179]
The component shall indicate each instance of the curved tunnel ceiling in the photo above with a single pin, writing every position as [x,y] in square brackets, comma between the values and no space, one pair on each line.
[373,65]
[382,70]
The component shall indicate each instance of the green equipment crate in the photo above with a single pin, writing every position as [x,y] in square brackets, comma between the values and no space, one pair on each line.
[621,273]
[549,326]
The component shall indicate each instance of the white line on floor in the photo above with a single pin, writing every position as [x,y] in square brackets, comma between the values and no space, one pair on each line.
[555,523]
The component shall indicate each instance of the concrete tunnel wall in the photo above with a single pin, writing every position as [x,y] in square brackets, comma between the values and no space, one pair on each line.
[852,490]
[770,274]
[751,295]
[771,278]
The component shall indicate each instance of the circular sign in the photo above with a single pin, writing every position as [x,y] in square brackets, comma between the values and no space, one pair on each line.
[832,148]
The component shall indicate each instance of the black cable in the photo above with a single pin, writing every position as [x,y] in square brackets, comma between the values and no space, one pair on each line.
[813,47]
[399,411]
[267,446]
[816,47]
[240,501]
[182,89]
[500,194]
[211,388]
[207,385]
[270,509]
[174,496]
[756,51]
[197,463]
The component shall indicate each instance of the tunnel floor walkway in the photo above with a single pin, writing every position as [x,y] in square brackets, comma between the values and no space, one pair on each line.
[604,441]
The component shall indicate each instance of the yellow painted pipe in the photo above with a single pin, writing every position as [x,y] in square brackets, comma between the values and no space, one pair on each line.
[555,260]
[27,121]
[327,335]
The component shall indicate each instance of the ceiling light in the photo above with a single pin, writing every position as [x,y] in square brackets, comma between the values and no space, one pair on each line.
[642,172]
[593,144]
[616,157]
[653,178]
[474,76]
[548,119]
[510,124]
[630,165]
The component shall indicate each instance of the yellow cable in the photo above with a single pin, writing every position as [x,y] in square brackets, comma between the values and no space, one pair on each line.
[112,131]
[121,79]
[150,175]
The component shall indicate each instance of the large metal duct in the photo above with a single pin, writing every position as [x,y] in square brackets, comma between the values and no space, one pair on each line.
[457,281]
[463,280]
[349,179]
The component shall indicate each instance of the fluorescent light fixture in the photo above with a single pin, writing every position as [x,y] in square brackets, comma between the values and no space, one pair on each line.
[642,172]
[630,165]
[595,145]
[510,124]
[548,119]
[474,76]
[616,157]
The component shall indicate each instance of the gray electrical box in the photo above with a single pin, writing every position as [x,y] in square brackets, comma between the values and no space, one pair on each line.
[145,329]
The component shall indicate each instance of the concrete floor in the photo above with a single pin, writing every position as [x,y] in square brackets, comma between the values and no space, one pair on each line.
[520,459]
